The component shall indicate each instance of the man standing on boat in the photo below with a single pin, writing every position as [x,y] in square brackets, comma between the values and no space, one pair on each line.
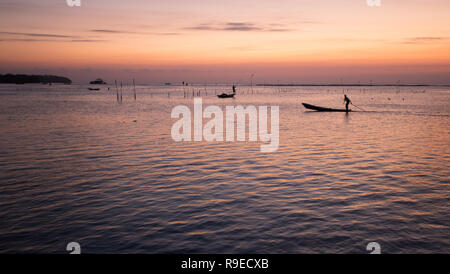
[346,101]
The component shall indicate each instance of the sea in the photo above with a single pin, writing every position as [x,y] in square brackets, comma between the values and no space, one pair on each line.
[100,168]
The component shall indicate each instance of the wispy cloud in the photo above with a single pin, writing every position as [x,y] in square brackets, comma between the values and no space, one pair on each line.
[50,38]
[427,38]
[168,33]
[423,39]
[112,31]
[37,34]
[9,36]
[24,40]
[238,27]
[108,31]
[88,40]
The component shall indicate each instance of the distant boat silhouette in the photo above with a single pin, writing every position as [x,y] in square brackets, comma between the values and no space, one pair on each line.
[98,82]
[317,108]
[93,88]
[225,95]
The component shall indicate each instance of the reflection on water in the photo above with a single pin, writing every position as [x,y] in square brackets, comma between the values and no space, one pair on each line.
[77,166]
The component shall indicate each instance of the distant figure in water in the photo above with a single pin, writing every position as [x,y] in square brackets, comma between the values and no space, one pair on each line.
[346,101]
[224,95]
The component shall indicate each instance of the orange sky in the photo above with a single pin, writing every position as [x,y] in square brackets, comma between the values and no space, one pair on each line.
[218,41]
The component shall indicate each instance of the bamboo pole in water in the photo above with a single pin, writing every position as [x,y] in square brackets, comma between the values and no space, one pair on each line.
[121,87]
[134,88]
[117,91]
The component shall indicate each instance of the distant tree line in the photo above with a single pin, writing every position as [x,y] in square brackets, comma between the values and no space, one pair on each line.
[33,79]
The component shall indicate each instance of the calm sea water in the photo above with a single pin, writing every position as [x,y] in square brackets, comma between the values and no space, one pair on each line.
[76,165]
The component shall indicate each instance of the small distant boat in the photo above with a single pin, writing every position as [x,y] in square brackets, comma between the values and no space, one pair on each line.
[317,108]
[98,82]
[224,95]
[93,88]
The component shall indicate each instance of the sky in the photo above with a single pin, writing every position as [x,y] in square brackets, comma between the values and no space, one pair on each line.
[215,41]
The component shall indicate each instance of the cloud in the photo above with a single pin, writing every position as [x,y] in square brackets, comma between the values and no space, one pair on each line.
[24,40]
[51,40]
[427,38]
[201,27]
[45,37]
[108,31]
[37,34]
[9,36]
[168,33]
[111,31]
[237,27]
[88,40]
[423,39]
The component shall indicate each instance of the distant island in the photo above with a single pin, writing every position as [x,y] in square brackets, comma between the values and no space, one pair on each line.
[33,79]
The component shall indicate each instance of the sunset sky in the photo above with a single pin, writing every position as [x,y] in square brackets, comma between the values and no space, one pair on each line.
[209,41]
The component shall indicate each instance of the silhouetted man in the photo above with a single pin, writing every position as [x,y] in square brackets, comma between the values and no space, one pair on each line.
[346,101]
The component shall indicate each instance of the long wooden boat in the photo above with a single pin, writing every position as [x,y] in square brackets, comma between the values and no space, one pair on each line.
[224,95]
[317,108]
